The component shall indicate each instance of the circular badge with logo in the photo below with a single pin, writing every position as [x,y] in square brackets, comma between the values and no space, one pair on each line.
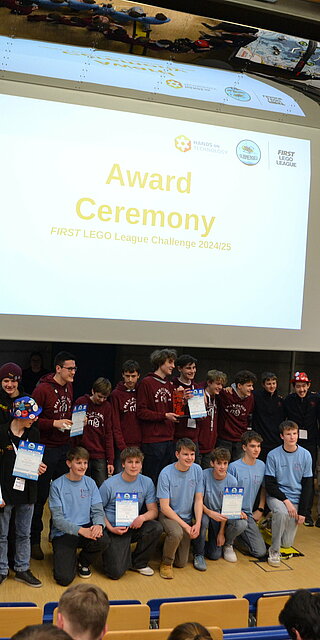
[238,94]
[248,152]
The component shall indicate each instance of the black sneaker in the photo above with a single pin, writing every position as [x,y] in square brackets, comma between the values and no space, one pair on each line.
[36,552]
[3,577]
[27,578]
[308,522]
[84,572]
[317,523]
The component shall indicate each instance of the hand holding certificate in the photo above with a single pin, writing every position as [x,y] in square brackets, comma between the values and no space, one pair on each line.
[232,502]
[196,404]
[127,509]
[28,462]
[79,417]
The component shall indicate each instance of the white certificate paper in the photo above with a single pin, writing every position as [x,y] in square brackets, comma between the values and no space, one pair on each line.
[196,404]
[78,420]
[28,458]
[127,509]
[232,502]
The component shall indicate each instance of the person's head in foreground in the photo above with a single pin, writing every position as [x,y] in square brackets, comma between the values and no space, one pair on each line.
[41,632]
[301,615]
[189,631]
[83,611]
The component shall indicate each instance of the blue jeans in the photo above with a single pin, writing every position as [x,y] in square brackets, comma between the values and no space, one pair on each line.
[23,520]
[210,549]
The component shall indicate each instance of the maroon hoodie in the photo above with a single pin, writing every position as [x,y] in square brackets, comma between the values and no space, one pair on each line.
[56,402]
[182,428]
[154,400]
[234,415]
[97,435]
[208,426]
[126,427]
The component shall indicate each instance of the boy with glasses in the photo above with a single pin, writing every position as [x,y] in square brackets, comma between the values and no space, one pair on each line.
[54,394]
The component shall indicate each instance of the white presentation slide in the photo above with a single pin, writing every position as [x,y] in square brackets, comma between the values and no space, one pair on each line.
[159,77]
[107,214]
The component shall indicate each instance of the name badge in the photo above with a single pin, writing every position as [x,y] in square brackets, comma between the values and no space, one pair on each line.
[19,484]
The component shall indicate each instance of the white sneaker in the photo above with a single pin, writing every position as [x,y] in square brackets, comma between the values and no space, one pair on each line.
[274,558]
[145,571]
[229,554]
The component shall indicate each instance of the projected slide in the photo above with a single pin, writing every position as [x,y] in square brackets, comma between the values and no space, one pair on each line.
[159,77]
[108,214]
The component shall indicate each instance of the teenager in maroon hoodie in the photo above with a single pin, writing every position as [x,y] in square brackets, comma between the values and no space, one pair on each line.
[186,427]
[126,426]
[155,413]
[208,429]
[54,394]
[235,407]
[97,435]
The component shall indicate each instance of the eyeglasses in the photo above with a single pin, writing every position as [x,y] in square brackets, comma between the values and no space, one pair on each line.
[70,368]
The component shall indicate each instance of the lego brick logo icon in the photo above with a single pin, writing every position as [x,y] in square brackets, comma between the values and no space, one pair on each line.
[182,143]
[175,84]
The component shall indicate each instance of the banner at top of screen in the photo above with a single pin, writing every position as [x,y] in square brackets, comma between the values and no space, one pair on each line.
[159,77]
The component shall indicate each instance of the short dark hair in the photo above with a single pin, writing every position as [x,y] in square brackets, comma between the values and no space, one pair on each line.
[189,631]
[268,375]
[185,359]
[131,452]
[286,425]
[131,366]
[187,443]
[159,356]
[250,435]
[77,452]
[86,608]
[61,358]
[302,613]
[41,632]
[244,376]
[102,385]
[220,454]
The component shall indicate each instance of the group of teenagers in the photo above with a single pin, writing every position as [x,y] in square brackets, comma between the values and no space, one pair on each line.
[135,443]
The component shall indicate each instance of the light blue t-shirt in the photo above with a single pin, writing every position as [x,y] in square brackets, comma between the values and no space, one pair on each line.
[213,489]
[74,503]
[250,477]
[289,468]
[180,487]
[142,486]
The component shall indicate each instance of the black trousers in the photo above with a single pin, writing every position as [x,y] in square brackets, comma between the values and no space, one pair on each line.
[117,557]
[65,558]
[157,455]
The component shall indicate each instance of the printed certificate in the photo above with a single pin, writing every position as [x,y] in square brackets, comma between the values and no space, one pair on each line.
[127,508]
[232,502]
[78,420]
[197,405]
[28,458]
